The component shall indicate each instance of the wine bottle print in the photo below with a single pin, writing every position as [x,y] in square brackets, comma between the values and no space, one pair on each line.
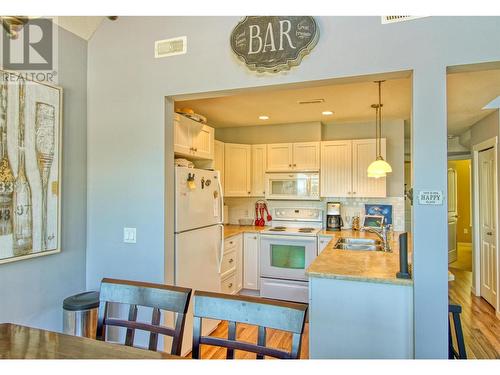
[23,220]
[6,175]
[44,145]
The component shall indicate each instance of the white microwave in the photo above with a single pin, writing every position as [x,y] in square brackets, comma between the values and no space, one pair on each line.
[292,186]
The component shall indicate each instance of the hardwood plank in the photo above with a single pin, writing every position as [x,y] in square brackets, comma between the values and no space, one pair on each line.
[480,325]
[248,333]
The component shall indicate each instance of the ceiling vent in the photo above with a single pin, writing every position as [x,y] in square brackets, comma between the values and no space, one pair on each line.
[311,101]
[394,19]
[171,47]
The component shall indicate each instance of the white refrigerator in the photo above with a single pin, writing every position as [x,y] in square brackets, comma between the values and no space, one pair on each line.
[199,238]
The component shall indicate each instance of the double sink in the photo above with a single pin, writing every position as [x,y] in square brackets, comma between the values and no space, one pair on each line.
[366,244]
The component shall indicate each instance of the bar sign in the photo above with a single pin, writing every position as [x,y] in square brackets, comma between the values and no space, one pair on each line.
[430,197]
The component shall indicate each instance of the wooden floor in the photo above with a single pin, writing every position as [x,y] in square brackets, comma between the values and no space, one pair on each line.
[244,332]
[480,325]
[464,257]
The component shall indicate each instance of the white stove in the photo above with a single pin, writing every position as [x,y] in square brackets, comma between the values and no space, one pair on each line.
[286,250]
[293,231]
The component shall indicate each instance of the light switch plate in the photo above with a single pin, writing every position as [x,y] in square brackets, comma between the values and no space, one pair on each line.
[129,235]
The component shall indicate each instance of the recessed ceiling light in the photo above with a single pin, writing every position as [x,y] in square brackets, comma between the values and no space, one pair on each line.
[327,113]
[263,117]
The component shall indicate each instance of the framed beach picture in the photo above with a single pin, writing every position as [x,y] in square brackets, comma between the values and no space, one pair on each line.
[384,210]
[30,168]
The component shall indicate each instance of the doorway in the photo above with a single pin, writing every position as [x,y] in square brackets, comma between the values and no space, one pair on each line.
[459,215]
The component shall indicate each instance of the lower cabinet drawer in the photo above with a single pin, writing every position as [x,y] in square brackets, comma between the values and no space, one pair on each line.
[287,290]
[228,284]
[228,263]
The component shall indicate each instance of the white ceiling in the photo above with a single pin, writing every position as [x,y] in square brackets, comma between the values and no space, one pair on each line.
[83,26]
[468,93]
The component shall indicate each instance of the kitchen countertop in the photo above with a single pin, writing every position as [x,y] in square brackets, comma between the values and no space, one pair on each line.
[355,265]
[231,230]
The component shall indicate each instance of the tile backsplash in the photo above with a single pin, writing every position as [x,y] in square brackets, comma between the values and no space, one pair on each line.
[245,208]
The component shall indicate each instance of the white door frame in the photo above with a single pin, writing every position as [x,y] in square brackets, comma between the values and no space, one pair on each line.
[476,264]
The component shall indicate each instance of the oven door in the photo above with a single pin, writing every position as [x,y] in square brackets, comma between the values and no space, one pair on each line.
[286,257]
[296,186]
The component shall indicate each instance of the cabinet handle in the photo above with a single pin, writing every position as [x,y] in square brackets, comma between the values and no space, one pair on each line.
[289,165]
[231,242]
[354,192]
[255,238]
[249,193]
[231,260]
[295,165]
[230,285]
[489,233]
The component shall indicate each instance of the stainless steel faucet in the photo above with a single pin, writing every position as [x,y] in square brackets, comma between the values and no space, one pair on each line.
[383,234]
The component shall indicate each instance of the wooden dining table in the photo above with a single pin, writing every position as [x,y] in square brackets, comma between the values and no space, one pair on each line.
[20,342]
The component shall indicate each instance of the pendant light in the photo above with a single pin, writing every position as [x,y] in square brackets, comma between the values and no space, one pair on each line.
[378,168]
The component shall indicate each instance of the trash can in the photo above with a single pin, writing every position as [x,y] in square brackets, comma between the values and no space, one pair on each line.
[80,314]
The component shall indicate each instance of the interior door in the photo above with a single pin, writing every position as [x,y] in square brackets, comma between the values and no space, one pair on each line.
[452,215]
[487,222]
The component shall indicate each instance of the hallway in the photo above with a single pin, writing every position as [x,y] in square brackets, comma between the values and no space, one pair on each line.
[480,325]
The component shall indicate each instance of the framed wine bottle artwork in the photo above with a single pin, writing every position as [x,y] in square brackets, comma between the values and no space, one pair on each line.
[30,167]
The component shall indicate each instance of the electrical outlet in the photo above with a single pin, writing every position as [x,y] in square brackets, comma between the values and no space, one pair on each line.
[129,235]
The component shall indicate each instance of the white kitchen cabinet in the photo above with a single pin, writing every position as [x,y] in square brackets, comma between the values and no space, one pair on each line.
[336,168]
[300,157]
[232,265]
[306,156]
[192,139]
[219,160]
[237,170]
[343,169]
[363,154]
[323,242]
[259,160]
[251,270]
[279,157]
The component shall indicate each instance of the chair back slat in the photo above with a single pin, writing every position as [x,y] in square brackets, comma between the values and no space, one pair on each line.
[460,352]
[156,296]
[264,313]
[164,297]
[132,317]
[285,316]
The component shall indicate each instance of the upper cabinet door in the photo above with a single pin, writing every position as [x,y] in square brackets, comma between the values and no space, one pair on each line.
[182,136]
[363,154]
[219,160]
[306,156]
[237,168]
[203,141]
[259,160]
[336,169]
[279,157]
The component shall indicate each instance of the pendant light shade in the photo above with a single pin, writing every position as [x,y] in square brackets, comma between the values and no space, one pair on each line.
[379,168]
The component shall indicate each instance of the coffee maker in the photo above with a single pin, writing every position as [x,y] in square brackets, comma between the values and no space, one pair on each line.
[333,217]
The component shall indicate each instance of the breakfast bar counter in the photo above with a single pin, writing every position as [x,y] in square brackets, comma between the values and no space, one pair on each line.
[356,265]
[357,306]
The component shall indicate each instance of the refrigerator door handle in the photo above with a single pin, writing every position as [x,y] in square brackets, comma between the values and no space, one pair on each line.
[221,200]
[220,254]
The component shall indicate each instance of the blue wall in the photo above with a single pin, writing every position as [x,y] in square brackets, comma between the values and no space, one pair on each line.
[32,291]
